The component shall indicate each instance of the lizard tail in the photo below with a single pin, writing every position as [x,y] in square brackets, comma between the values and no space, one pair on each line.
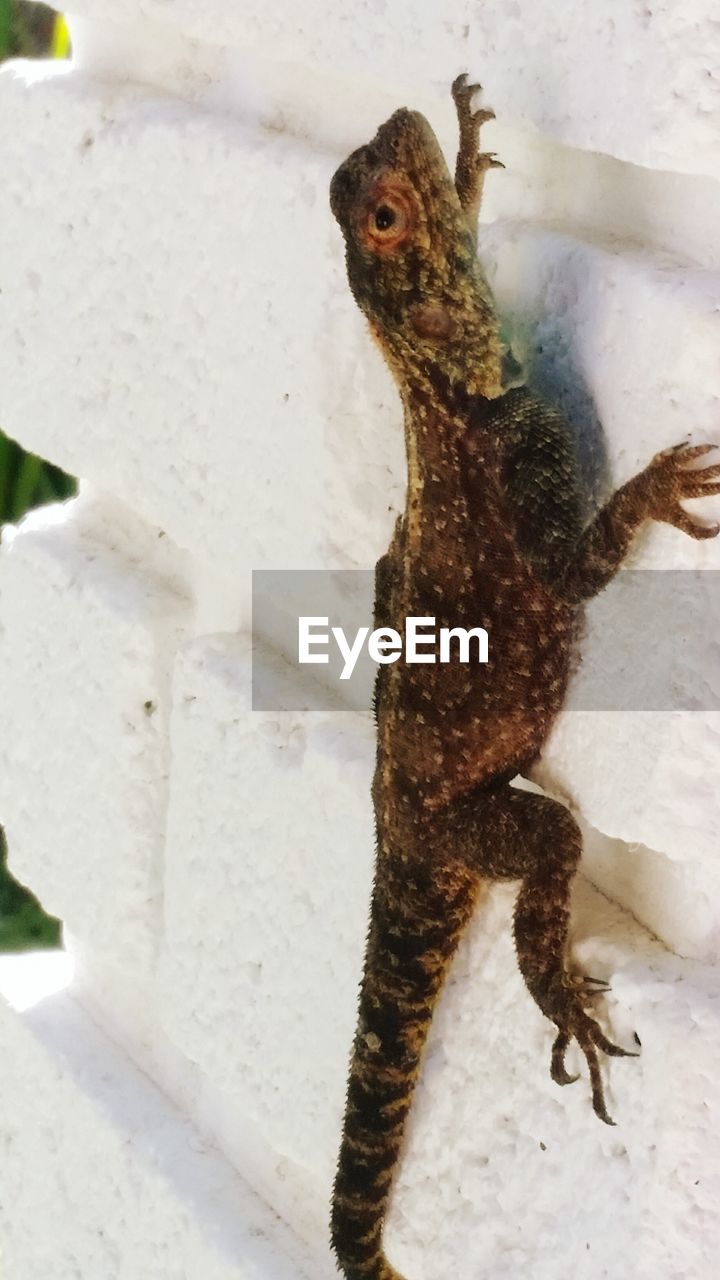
[416,920]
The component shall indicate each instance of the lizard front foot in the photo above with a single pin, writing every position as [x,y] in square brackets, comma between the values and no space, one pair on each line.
[574,1023]
[668,481]
[472,164]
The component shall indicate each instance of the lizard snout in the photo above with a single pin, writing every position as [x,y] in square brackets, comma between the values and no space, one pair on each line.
[348,181]
[341,191]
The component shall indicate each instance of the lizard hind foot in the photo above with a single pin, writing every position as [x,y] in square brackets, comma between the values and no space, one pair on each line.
[590,1037]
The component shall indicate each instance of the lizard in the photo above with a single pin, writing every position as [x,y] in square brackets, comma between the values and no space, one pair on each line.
[494,529]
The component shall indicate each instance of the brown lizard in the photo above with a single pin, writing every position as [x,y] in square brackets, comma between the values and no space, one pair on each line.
[493,532]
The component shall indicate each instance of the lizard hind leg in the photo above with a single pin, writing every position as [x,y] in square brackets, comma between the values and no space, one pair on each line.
[472,164]
[541,929]
[513,834]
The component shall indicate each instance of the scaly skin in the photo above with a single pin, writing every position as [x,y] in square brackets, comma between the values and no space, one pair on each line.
[493,533]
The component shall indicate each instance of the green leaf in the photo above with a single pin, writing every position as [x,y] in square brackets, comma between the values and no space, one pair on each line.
[27,479]
[24,925]
[5,27]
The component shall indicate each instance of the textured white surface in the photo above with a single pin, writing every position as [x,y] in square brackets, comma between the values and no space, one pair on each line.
[663,893]
[269,858]
[86,649]
[103,1179]
[647,777]
[544,179]
[636,80]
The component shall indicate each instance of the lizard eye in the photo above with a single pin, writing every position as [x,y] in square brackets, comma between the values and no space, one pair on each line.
[384,217]
[390,221]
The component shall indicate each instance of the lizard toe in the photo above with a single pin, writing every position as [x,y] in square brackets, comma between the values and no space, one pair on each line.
[576,1024]
[558,1070]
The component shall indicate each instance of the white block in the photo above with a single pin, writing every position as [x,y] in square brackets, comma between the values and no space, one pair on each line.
[86,649]
[269,864]
[675,900]
[635,81]
[268,872]
[206,369]
[104,1180]
[649,778]
[544,180]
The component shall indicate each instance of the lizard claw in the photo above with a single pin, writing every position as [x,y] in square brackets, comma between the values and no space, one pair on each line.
[472,164]
[590,1037]
[463,92]
[489,160]
[557,1063]
[586,987]
[689,452]
[574,1023]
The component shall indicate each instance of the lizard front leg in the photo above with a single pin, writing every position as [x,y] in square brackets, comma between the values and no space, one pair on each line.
[654,494]
[472,164]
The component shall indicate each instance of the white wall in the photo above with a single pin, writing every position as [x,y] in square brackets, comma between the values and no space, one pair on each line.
[177,330]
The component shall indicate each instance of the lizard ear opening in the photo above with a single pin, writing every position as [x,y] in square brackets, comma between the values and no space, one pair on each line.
[432,320]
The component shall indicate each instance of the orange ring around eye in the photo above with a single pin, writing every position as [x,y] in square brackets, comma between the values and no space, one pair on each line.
[390,218]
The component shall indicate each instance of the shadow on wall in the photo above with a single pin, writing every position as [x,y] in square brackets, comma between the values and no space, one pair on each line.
[553,370]
[26,481]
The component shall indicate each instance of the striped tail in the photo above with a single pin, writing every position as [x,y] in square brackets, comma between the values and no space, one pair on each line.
[417,917]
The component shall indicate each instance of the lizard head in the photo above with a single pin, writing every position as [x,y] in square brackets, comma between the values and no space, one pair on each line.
[411,258]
